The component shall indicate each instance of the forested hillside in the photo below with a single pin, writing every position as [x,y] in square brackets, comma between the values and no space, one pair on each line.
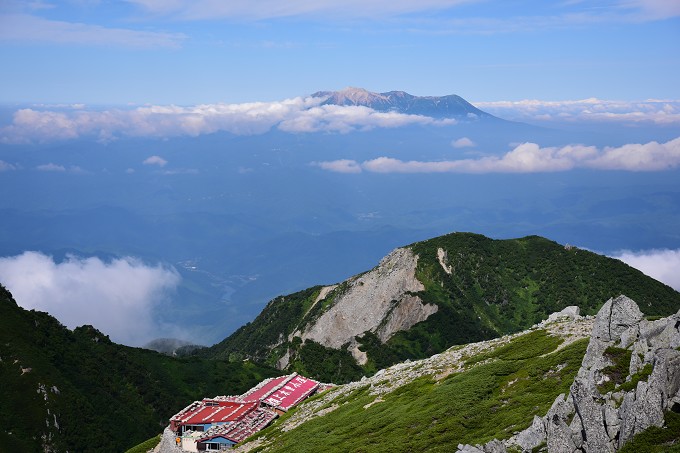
[77,391]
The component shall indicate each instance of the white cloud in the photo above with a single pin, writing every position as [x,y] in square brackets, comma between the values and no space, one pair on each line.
[6,166]
[662,265]
[623,10]
[340,166]
[336,118]
[651,111]
[531,158]
[298,115]
[265,9]
[117,297]
[155,160]
[463,142]
[655,9]
[51,167]
[29,28]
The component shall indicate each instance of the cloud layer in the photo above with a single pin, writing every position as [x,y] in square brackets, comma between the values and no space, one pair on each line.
[291,115]
[662,265]
[117,297]
[302,115]
[652,111]
[29,28]
[267,9]
[530,158]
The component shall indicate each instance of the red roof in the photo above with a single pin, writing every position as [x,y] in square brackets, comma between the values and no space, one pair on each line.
[253,422]
[224,412]
[262,391]
[294,391]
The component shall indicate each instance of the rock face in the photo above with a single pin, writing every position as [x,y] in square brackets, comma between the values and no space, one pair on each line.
[595,418]
[380,301]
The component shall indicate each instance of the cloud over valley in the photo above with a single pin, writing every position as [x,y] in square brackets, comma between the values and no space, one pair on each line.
[117,296]
[661,112]
[297,115]
[530,158]
[662,265]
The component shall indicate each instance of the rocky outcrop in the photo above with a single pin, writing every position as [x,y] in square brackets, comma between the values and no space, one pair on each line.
[380,301]
[604,409]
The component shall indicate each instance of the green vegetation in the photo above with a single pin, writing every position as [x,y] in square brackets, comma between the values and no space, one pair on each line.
[616,372]
[524,347]
[327,364]
[496,287]
[278,319]
[641,375]
[657,440]
[146,445]
[84,393]
[492,399]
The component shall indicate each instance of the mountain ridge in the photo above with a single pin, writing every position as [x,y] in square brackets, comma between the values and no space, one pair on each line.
[448,106]
[463,287]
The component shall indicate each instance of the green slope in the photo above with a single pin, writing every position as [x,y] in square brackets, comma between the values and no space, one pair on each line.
[85,393]
[489,399]
[495,287]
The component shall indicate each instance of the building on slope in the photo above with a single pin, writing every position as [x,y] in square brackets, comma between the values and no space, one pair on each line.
[221,422]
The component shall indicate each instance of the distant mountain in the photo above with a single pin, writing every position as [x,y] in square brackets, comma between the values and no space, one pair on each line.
[426,297]
[77,391]
[451,106]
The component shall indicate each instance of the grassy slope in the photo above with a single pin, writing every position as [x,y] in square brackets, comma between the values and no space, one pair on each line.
[109,398]
[491,399]
[497,287]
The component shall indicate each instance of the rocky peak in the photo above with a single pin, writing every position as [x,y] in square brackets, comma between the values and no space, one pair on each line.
[629,377]
[399,101]
[379,301]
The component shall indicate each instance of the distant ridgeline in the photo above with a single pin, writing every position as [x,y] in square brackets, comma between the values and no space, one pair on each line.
[63,390]
[423,298]
[451,106]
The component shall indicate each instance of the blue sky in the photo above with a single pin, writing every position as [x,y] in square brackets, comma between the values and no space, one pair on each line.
[204,51]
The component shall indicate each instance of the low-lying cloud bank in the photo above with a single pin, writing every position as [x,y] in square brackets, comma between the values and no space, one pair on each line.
[117,297]
[662,265]
[530,158]
[651,111]
[301,115]
[291,115]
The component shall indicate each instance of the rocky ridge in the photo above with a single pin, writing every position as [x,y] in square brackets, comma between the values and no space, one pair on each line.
[594,417]
[450,106]
[393,306]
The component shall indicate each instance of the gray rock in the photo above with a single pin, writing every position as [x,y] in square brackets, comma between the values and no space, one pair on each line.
[570,313]
[611,421]
[589,411]
[559,435]
[379,301]
[615,317]
[469,449]
[531,437]
[495,446]
[563,407]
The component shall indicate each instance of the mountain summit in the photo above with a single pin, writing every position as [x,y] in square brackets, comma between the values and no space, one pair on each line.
[450,106]
[426,297]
